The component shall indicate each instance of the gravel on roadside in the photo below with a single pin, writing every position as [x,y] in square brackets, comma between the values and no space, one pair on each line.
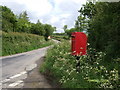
[37,80]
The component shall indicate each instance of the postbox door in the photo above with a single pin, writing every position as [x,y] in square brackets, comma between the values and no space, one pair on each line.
[81,43]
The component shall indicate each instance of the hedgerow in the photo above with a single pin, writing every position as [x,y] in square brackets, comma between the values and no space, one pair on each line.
[14,42]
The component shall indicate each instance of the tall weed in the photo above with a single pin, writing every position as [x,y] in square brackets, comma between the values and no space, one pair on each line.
[92,72]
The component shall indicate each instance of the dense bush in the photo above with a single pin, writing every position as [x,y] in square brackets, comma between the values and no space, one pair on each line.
[8,19]
[92,73]
[104,33]
[14,42]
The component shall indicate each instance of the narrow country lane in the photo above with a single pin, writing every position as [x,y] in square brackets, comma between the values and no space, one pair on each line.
[15,67]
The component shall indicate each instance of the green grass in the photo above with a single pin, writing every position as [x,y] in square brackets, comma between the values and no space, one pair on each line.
[93,73]
[14,42]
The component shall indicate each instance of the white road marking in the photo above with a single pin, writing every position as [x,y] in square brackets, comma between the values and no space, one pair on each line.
[15,84]
[6,80]
[17,75]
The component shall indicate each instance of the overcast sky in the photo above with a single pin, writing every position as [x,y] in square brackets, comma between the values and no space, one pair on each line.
[55,12]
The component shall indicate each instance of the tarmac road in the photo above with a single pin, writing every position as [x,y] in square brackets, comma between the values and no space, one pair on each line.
[15,67]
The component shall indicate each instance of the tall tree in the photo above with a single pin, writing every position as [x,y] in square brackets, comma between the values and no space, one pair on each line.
[105,28]
[88,10]
[86,13]
[23,24]
[81,24]
[48,30]
[8,19]
[38,28]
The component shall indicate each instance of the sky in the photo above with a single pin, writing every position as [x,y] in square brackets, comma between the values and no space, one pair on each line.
[55,12]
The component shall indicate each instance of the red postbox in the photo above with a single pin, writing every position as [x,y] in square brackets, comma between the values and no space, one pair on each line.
[79,43]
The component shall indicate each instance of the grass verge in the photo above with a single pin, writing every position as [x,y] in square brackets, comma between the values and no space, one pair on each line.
[93,72]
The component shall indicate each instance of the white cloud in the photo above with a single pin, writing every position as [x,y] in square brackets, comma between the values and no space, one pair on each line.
[65,15]
[58,18]
[80,1]
[54,19]
[40,7]
[55,12]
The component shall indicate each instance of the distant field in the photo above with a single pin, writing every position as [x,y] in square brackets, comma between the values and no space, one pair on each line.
[14,42]
[60,37]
